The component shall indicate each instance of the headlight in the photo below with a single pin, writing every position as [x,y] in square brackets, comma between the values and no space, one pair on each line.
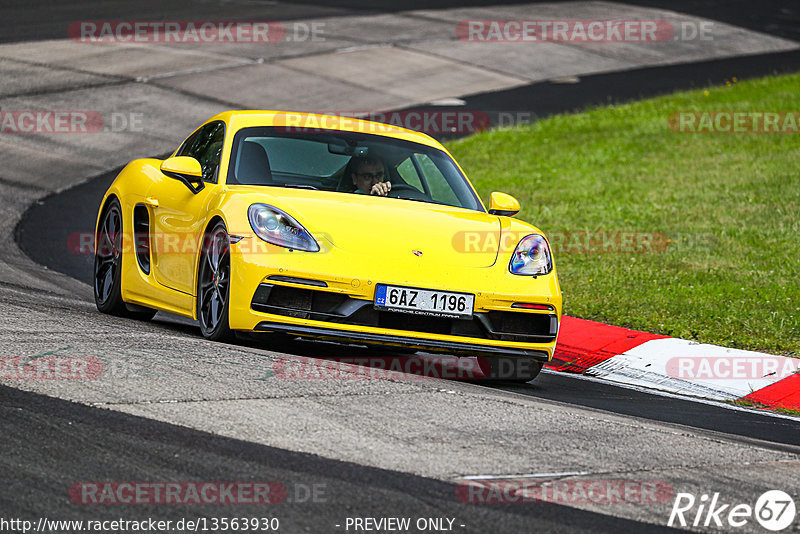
[531,257]
[279,228]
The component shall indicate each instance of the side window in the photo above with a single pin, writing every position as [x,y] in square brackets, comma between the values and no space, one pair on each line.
[205,146]
[408,172]
[441,191]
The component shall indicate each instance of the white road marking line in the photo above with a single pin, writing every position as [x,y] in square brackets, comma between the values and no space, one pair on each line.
[531,475]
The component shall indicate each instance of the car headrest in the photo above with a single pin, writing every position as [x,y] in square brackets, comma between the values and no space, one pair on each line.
[346,182]
[253,166]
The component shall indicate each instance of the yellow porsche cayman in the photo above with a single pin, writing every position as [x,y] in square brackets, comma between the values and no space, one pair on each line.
[327,227]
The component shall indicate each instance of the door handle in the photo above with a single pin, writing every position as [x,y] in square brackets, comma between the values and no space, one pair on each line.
[151,201]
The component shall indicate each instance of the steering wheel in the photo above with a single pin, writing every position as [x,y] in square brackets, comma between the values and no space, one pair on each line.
[409,190]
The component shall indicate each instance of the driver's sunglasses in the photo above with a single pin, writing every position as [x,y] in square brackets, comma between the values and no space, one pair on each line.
[372,176]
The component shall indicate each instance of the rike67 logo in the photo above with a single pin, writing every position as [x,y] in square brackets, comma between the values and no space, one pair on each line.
[774,510]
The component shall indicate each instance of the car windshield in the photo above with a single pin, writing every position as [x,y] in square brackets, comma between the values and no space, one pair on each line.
[328,160]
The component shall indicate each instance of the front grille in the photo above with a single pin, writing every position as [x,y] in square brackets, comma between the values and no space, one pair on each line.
[290,297]
[336,308]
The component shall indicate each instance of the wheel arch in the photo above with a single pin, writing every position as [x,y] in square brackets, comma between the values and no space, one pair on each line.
[214,219]
[107,200]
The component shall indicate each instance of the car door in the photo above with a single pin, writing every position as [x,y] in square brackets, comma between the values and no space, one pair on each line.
[180,216]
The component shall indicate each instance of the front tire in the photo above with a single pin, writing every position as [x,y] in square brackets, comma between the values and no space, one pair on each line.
[213,285]
[108,266]
[500,369]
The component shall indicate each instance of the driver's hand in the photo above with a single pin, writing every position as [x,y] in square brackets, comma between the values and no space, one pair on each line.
[381,189]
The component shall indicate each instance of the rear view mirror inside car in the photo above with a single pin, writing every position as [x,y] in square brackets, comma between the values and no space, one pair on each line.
[348,150]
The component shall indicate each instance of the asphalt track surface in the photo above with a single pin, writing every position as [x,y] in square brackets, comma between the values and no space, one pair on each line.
[49,440]
[49,443]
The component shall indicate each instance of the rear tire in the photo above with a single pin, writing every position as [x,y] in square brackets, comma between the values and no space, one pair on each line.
[504,369]
[108,267]
[213,285]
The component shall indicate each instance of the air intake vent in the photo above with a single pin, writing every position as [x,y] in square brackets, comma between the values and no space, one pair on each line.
[141,236]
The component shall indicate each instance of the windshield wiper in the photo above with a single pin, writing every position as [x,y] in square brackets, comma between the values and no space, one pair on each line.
[419,200]
[301,186]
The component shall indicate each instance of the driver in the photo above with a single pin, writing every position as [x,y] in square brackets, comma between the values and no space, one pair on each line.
[369,176]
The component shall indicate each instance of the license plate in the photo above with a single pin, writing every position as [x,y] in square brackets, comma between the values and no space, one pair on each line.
[424,301]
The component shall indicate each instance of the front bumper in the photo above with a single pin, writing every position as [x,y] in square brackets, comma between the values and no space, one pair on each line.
[323,305]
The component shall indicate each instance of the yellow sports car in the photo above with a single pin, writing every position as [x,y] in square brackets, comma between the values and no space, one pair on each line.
[328,227]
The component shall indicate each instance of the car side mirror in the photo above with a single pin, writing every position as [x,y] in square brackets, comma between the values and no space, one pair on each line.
[503,204]
[185,169]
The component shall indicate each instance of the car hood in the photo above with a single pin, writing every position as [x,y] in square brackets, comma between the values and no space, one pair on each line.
[395,229]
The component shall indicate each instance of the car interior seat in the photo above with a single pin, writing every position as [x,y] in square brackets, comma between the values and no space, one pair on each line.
[253,165]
